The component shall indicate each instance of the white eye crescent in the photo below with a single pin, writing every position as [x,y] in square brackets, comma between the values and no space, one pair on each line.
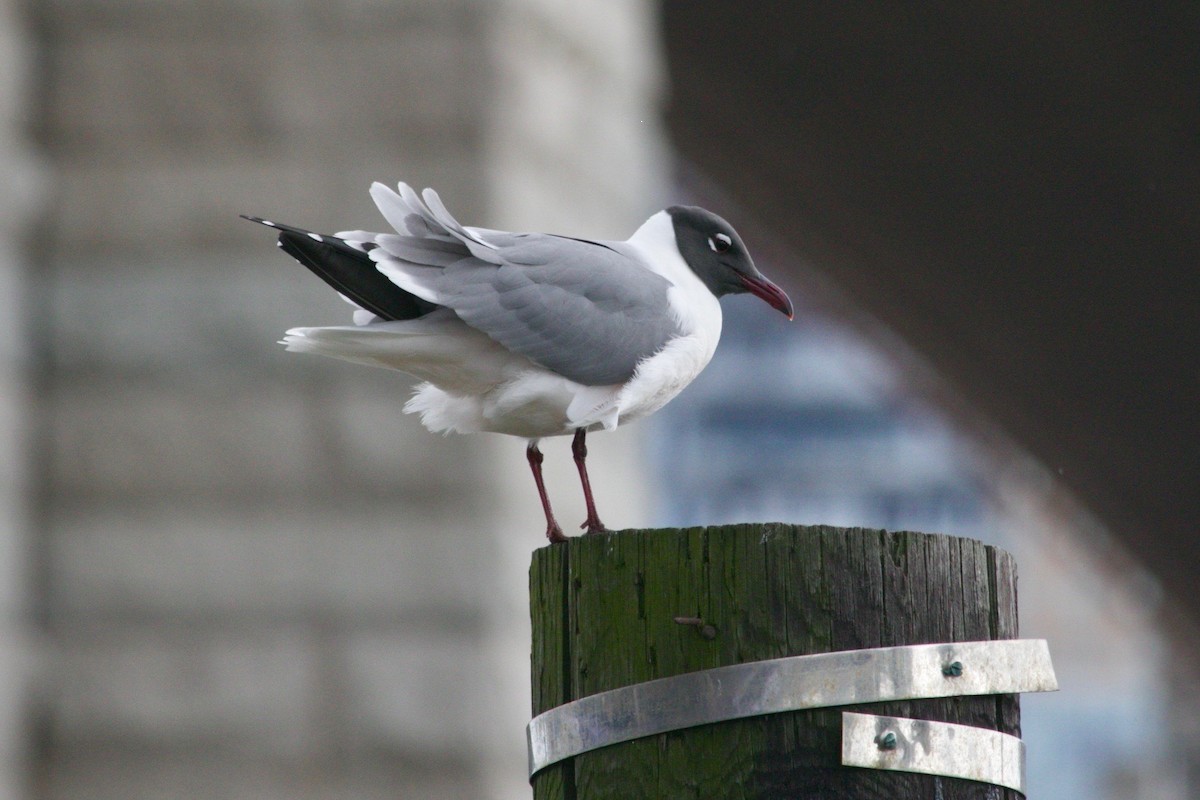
[720,243]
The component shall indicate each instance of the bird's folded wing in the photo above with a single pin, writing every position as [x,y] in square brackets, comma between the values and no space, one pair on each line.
[577,308]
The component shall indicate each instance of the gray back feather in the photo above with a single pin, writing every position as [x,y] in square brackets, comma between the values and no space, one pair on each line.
[579,308]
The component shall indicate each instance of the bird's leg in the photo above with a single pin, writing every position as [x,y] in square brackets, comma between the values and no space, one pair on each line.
[579,450]
[553,531]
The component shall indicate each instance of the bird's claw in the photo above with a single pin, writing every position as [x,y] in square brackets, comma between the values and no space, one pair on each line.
[592,526]
[555,534]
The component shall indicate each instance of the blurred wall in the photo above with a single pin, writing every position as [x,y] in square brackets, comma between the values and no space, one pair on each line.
[255,577]
[19,193]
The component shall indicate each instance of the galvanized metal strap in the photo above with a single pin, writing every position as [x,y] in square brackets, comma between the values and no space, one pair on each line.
[848,677]
[933,748]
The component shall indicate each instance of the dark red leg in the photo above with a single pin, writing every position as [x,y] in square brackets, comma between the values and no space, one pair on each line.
[579,450]
[553,530]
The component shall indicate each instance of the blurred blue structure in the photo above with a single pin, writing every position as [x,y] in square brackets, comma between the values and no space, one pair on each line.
[805,422]
[809,423]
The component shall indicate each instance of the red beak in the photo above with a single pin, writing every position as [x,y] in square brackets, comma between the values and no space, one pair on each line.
[763,289]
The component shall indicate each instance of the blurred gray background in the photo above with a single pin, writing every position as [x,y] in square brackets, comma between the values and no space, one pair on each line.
[231,572]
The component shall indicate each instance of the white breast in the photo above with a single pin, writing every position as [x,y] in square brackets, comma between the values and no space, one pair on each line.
[698,312]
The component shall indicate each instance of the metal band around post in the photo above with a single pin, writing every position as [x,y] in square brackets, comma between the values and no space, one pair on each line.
[933,748]
[847,677]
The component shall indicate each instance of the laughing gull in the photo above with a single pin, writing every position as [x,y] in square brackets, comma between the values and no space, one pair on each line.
[529,334]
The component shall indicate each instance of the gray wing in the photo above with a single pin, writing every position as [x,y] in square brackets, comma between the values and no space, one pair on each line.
[582,309]
[578,308]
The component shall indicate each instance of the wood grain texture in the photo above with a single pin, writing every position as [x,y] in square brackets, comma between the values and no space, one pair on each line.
[604,610]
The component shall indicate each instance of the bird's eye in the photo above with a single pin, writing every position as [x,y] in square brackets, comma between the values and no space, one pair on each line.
[720,243]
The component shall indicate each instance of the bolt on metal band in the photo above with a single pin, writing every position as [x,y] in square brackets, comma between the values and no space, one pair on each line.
[848,677]
[933,748]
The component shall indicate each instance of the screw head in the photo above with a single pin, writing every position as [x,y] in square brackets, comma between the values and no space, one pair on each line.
[887,740]
[953,669]
[705,630]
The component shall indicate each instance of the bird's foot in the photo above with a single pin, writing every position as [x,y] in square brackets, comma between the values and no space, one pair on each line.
[555,534]
[593,525]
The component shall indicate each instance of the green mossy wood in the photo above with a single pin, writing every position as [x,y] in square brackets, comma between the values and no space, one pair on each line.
[604,610]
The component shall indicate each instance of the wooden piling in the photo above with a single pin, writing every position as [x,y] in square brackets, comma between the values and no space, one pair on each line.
[618,609]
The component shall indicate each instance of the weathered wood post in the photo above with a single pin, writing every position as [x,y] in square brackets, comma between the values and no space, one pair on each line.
[616,610]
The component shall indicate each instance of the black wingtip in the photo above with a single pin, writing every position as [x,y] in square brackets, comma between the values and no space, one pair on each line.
[352,272]
[348,269]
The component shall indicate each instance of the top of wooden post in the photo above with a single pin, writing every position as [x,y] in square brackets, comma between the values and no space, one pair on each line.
[618,609]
